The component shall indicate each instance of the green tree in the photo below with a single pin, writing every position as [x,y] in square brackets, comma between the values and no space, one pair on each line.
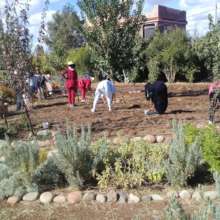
[64,31]
[111,29]
[82,57]
[208,50]
[168,53]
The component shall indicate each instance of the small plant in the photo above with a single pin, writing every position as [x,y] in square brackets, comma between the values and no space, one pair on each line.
[20,162]
[76,158]
[175,211]
[184,158]
[132,164]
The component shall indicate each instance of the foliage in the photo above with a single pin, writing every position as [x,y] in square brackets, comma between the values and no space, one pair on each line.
[184,158]
[207,49]
[175,210]
[20,162]
[47,176]
[111,29]
[82,57]
[75,157]
[64,32]
[170,53]
[211,147]
[132,164]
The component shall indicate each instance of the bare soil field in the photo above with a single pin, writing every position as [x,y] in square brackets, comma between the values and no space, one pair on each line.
[188,102]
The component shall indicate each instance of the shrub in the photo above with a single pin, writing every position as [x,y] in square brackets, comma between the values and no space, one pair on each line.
[183,159]
[76,158]
[132,164]
[21,160]
[48,176]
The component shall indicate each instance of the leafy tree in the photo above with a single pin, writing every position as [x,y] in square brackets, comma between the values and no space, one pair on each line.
[64,31]
[207,49]
[111,29]
[82,57]
[170,53]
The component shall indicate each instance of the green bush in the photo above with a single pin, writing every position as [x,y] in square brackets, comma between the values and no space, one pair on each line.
[184,158]
[20,163]
[76,158]
[132,164]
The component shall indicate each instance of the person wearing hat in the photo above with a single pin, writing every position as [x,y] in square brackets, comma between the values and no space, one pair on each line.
[105,89]
[70,75]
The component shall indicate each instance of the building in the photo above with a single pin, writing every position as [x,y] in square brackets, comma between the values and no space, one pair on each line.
[163,18]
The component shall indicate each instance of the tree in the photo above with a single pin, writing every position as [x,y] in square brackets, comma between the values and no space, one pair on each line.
[207,49]
[64,31]
[16,45]
[170,53]
[82,57]
[111,29]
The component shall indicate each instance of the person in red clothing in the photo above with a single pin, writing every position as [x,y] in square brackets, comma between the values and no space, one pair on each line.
[84,84]
[70,75]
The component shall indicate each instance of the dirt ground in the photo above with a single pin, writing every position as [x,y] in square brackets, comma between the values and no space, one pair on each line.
[188,102]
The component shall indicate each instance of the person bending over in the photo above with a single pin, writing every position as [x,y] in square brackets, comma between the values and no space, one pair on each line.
[105,89]
[157,93]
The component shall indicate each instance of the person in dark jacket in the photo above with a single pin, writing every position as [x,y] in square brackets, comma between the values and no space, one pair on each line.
[157,93]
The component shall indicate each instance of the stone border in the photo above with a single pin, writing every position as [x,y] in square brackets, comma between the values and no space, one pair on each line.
[112,196]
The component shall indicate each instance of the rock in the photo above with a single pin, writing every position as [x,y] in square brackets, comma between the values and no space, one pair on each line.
[197,196]
[160,139]
[74,197]
[156,197]
[150,138]
[13,200]
[44,134]
[133,198]
[32,196]
[100,198]
[89,196]
[210,195]
[146,198]
[185,195]
[112,196]
[46,197]
[59,199]
[136,139]
[123,197]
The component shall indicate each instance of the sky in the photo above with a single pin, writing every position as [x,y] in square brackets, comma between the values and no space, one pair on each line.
[197,12]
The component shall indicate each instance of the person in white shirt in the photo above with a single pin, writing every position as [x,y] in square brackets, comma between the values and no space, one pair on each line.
[105,89]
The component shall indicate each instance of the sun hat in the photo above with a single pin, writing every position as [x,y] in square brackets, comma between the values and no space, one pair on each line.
[69,63]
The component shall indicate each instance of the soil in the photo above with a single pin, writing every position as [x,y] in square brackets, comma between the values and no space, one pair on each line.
[187,102]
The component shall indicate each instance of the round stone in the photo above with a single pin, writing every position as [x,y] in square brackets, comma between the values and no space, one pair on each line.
[160,139]
[146,198]
[32,196]
[210,195]
[197,196]
[13,200]
[112,196]
[185,195]
[133,198]
[123,197]
[46,197]
[89,196]
[74,197]
[100,198]
[156,197]
[150,138]
[59,199]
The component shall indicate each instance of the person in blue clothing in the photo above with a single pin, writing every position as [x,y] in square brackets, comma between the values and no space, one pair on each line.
[106,89]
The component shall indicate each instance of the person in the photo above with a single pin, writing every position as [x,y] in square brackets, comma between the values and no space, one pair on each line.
[48,85]
[214,98]
[105,89]
[84,85]
[70,75]
[157,93]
